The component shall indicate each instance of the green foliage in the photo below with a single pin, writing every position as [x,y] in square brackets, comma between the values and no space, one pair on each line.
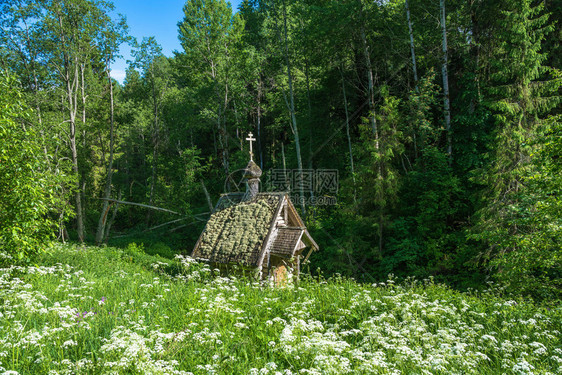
[27,188]
[380,178]
[420,127]
[423,239]
[404,206]
[520,246]
[135,248]
[530,255]
[209,66]
[161,249]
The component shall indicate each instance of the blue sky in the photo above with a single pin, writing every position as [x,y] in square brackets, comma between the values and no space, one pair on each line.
[157,18]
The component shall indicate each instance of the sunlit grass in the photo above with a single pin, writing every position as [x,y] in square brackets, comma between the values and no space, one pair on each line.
[95,310]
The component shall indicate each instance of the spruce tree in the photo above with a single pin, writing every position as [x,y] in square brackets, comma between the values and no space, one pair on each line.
[521,95]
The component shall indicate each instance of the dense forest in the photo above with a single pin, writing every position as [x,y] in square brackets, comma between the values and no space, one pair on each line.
[442,120]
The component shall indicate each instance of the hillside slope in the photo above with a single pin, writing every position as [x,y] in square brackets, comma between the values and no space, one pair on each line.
[103,310]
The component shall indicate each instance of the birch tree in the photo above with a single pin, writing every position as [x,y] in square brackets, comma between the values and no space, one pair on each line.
[412,49]
[208,34]
[113,37]
[291,105]
[154,68]
[446,100]
[72,31]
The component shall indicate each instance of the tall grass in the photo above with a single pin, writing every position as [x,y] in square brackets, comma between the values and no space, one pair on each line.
[104,310]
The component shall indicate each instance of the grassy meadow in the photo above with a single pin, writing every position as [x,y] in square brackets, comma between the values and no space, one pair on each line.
[109,311]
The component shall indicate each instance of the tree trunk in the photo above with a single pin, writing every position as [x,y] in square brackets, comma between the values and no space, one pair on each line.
[155,144]
[372,115]
[292,110]
[310,127]
[207,196]
[371,93]
[475,52]
[82,67]
[222,102]
[78,194]
[103,215]
[259,122]
[447,108]
[71,97]
[348,136]
[414,67]
[112,220]
[310,134]
[83,92]
[225,155]
[286,182]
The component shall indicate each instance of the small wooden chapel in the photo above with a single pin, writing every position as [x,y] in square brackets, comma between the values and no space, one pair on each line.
[259,232]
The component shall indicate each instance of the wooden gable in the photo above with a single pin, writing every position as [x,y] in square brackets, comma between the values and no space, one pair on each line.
[291,235]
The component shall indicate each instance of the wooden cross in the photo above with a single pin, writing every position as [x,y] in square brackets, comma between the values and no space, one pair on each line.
[251,140]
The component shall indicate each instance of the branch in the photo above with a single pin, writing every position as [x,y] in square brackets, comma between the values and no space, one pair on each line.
[167,223]
[141,205]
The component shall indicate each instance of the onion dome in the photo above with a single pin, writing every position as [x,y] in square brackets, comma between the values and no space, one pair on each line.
[252,171]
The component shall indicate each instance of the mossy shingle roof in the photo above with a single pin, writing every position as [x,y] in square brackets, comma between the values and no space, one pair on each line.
[236,233]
